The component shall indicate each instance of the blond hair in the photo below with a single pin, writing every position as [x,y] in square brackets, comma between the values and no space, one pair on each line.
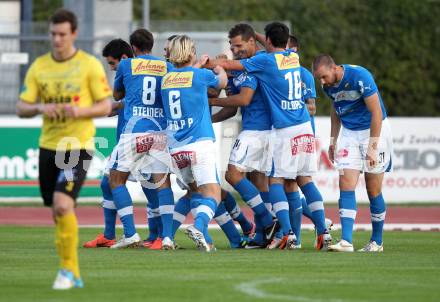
[182,50]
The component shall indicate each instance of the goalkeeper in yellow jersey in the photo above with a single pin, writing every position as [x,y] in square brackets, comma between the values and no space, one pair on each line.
[69,88]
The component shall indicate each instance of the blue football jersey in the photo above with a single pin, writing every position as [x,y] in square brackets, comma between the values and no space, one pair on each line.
[141,79]
[279,76]
[256,115]
[349,96]
[309,90]
[121,124]
[186,107]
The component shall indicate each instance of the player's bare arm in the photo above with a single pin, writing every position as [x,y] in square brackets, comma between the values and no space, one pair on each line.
[373,105]
[225,63]
[261,39]
[244,98]
[100,108]
[224,114]
[116,106]
[222,76]
[118,94]
[202,61]
[311,106]
[334,133]
[27,110]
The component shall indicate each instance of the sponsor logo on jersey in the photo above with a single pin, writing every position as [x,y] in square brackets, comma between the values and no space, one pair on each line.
[287,62]
[184,159]
[145,143]
[148,67]
[302,143]
[178,80]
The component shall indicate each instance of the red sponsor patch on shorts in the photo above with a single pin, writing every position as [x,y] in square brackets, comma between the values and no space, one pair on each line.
[342,153]
[302,143]
[147,142]
[184,159]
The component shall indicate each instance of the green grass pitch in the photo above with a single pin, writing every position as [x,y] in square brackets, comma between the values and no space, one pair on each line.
[408,270]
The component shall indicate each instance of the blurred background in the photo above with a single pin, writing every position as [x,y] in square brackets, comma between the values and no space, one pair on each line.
[397,40]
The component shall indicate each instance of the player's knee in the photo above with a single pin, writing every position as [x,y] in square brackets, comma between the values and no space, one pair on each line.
[373,191]
[347,184]
[116,179]
[303,180]
[290,186]
[162,181]
[62,204]
[233,176]
[211,190]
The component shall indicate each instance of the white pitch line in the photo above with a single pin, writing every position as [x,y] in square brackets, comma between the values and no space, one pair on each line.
[251,288]
[357,227]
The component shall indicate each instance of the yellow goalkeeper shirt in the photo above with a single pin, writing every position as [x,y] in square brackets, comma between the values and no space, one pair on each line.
[79,81]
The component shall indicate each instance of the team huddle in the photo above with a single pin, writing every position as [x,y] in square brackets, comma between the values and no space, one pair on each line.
[165,126]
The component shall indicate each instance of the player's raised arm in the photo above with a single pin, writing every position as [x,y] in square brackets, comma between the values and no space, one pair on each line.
[225,63]
[222,77]
[261,39]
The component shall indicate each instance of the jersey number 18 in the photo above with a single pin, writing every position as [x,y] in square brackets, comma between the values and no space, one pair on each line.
[294,79]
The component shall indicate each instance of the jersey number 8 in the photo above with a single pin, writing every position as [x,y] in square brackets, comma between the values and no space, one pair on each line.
[149,91]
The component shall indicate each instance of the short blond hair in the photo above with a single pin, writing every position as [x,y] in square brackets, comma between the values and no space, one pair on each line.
[182,50]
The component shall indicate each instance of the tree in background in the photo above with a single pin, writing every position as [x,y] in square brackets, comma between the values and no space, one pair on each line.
[397,40]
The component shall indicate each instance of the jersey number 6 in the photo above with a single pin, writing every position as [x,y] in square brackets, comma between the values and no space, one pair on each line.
[174,100]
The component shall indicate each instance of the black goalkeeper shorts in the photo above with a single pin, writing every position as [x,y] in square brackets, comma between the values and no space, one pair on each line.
[62,171]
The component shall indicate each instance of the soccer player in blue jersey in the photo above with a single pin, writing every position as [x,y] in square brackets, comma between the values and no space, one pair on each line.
[249,151]
[191,136]
[360,141]
[309,97]
[142,146]
[115,51]
[292,144]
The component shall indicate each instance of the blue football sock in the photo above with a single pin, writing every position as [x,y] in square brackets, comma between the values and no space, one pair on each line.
[153,215]
[306,211]
[280,206]
[259,229]
[226,223]
[316,205]
[181,210]
[234,210]
[166,210]
[109,209]
[266,200]
[195,202]
[347,214]
[124,204]
[205,212]
[251,196]
[378,213]
[295,212]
